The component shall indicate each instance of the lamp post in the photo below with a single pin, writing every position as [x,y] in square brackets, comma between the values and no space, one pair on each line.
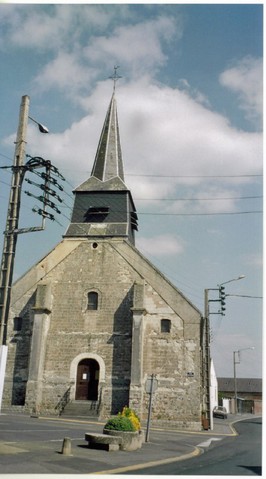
[235,354]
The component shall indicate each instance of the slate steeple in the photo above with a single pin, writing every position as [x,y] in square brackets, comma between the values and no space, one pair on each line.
[108,160]
[103,205]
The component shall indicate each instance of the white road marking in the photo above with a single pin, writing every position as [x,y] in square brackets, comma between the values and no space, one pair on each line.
[209,441]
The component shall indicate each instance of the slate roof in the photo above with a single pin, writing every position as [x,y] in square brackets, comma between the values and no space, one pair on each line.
[244,385]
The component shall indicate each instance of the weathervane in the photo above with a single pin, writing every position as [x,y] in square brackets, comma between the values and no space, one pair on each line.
[115,76]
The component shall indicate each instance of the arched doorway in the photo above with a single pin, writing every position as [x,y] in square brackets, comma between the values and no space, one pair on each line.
[87,380]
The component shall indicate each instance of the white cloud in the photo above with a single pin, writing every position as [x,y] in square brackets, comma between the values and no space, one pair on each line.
[161,245]
[66,73]
[205,200]
[55,26]
[147,38]
[167,132]
[164,133]
[246,79]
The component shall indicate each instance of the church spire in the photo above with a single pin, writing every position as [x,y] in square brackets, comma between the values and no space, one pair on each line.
[103,206]
[108,160]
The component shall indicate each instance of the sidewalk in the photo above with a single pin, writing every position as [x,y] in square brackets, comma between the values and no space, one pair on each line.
[164,446]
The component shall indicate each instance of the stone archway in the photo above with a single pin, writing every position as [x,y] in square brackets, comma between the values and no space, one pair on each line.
[87,380]
[87,363]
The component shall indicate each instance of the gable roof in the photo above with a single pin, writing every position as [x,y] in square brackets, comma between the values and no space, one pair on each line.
[252,385]
[174,297]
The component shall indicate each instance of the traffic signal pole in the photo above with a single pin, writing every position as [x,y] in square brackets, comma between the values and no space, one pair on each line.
[207,359]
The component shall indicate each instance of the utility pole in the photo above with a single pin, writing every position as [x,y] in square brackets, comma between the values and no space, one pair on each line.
[10,237]
[237,361]
[12,222]
[207,357]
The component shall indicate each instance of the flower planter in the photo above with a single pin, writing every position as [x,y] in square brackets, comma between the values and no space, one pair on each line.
[130,440]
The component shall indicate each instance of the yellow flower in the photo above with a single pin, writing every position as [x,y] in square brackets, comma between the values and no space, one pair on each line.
[130,413]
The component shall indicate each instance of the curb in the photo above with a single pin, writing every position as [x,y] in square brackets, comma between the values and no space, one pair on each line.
[197,451]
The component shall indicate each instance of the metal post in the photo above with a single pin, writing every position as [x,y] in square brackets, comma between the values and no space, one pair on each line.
[149,411]
[235,381]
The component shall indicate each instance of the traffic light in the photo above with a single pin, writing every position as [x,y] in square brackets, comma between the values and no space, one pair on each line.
[222,299]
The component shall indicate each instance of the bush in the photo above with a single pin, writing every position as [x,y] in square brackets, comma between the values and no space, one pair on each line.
[130,414]
[120,423]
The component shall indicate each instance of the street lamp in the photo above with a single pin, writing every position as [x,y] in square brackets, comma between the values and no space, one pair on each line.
[242,276]
[42,128]
[235,380]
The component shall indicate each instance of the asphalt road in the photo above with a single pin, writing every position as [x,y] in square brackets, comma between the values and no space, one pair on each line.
[236,456]
[34,446]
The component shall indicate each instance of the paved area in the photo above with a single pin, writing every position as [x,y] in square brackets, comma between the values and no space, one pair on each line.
[34,446]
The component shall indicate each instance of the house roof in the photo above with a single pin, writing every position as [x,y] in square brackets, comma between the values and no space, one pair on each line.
[252,385]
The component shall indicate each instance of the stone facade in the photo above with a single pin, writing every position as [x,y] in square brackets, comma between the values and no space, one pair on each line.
[123,335]
[92,321]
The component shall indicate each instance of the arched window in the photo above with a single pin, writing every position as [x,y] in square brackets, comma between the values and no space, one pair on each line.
[92,300]
[165,326]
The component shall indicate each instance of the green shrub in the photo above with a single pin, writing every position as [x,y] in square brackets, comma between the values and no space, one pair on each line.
[131,414]
[119,423]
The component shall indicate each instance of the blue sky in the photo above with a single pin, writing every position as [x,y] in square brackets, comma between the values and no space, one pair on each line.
[190,116]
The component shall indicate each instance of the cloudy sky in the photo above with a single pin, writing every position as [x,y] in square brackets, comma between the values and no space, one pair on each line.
[190,117]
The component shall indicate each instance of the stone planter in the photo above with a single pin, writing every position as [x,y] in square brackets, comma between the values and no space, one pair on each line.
[130,440]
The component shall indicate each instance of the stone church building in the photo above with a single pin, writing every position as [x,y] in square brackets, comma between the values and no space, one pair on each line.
[93,320]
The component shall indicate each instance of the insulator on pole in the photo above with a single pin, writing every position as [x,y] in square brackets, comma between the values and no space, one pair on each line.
[49,178]
[43,213]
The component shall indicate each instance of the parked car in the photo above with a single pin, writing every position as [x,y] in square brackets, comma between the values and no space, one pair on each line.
[220,411]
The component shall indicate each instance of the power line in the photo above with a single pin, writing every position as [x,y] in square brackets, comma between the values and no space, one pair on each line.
[245,296]
[5,156]
[203,214]
[195,176]
[201,199]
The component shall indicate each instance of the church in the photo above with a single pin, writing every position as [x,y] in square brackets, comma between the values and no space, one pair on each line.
[93,321]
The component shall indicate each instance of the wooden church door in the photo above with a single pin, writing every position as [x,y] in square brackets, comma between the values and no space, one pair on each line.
[87,380]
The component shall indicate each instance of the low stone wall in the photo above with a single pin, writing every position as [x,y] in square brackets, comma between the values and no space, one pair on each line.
[130,440]
[103,441]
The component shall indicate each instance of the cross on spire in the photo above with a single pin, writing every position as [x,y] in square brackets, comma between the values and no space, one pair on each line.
[115,76]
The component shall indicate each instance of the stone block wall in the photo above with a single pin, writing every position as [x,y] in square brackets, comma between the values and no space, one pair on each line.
[125,312]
